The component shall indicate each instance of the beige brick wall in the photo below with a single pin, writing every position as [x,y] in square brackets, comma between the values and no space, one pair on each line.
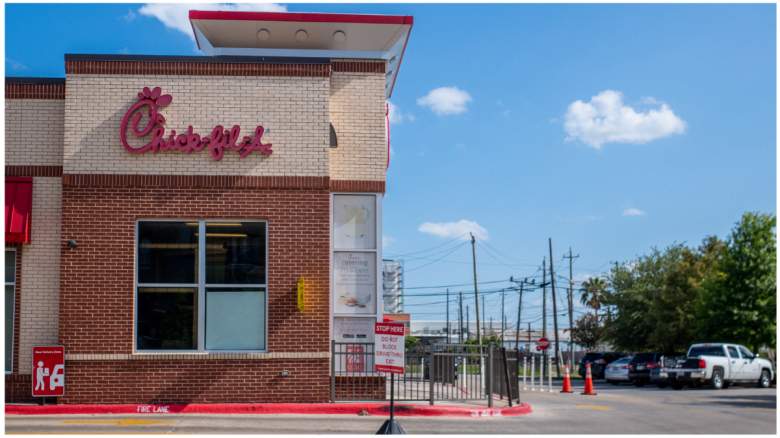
[357,111]
[34,132]
[39,307]
[294,109]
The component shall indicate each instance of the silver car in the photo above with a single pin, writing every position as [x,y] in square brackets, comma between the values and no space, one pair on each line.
[617,371]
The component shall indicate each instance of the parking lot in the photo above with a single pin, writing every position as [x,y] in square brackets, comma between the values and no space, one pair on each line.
[616,409]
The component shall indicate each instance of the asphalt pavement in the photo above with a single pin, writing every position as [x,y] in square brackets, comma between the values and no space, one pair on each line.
[616,409]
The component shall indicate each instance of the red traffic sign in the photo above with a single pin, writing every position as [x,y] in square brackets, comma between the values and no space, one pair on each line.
[542,344]
[389,347]
[48,376]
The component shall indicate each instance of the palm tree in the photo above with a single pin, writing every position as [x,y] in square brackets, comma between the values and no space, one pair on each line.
[593,293]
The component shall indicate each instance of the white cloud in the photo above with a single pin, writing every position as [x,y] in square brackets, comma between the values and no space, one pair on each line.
[606,119]
[129,16]
[387,241]
[446,100]
[633,212]
[16,65]
[397,116]
[459,229]
[176,16]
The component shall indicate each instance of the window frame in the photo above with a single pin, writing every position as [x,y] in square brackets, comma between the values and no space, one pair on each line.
[200,288]
[377,251]
[13,308]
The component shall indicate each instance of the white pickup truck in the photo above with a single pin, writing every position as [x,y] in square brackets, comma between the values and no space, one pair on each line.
[720,365]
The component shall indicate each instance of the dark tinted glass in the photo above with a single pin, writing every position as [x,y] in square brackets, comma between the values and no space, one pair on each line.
[235,253]
[590,357]
[707,351]
[644,357]
[168,252]
[167,318]
[10,266]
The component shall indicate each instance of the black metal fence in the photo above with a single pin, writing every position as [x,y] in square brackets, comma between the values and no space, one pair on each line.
[438,372]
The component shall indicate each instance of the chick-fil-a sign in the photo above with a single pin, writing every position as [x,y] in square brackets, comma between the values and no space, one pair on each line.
[220,140]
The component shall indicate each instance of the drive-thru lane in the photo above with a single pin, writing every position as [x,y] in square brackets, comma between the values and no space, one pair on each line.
[616,409]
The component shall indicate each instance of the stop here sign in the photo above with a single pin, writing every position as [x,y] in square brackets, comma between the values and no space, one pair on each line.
[389,347]
[48,376]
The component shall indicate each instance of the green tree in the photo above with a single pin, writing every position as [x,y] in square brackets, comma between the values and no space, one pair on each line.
[593,293]
[655,297]
[740,297]
[587,331]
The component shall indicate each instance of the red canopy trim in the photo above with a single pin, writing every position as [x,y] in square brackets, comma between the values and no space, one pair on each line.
[18,209]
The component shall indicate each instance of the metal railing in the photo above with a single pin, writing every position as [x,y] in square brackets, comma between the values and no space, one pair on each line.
[455,372]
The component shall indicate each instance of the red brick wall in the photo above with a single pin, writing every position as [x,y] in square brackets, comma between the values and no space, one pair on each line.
[197,381]
[360,388]
[96,294]
[18,388]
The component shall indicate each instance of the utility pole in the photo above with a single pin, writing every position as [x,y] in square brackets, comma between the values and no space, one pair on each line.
[448,316]
[544,309]
[571,305]
[467,323]
[491,326]
[460,317]
[519,309]
[484,320]
[529,337]
[555,310]
[476,291]
[503,317]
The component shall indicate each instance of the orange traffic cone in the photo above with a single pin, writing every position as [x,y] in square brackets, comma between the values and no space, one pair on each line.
[589,390]
[566,381]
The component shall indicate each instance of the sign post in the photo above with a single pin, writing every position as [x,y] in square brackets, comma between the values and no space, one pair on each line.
[389,358]
[48,364]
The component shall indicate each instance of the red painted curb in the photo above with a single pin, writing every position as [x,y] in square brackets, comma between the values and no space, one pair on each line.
[381,409]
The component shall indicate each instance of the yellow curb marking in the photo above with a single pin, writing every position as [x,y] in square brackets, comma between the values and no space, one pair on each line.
[120,422]
[594,407]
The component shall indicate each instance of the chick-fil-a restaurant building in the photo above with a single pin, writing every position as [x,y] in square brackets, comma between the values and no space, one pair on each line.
[198,229]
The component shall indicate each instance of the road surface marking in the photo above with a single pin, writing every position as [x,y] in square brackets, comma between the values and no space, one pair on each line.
[119,422]
[594,407]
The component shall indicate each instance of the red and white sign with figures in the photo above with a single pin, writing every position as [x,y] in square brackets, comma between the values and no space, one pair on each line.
[389,347]
[48,376]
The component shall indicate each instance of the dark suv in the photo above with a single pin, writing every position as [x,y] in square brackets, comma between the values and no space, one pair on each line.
[640,367]
[598,363]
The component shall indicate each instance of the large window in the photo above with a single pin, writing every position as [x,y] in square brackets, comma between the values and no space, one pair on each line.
[201,286]
[10,286]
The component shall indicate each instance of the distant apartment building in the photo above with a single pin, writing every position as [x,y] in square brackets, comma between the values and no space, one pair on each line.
[393,285]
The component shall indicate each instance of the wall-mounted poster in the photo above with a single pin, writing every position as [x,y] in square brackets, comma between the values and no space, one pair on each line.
[354,222]
[354,283]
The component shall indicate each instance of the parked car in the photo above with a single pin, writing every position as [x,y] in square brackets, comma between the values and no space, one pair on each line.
[658,375]
[640,366]
[598,362]
[617,371]
[719,365]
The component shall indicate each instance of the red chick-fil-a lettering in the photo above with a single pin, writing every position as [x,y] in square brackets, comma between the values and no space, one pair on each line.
[220,140]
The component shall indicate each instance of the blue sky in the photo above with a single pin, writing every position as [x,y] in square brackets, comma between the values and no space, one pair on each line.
[677,143]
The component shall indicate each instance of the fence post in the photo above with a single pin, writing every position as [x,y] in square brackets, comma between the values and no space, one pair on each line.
[431,376]
[333,370]
[525,371]
[549,373]
[533,371]
[506,376]
[489,385]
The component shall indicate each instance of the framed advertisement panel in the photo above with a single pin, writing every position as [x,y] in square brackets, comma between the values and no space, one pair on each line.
[354,283]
